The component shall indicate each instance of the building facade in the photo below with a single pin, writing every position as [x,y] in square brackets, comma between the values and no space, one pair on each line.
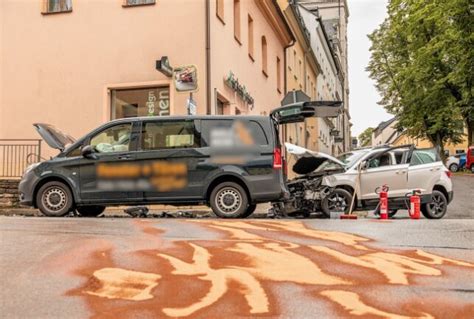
[334,15]
[328,86]
[76,64]
[301,73]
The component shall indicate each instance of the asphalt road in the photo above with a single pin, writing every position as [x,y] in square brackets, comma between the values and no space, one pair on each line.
[158,268]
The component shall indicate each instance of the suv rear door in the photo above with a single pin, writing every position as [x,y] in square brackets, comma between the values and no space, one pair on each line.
[425,170]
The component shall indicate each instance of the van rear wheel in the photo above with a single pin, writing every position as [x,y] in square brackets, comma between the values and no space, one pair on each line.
[229,200]
[54,199]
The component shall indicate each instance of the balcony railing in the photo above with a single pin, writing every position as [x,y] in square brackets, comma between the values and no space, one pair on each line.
[17,154]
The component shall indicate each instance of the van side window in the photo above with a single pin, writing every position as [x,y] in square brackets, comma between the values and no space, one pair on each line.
[258,133]
[113,139]
[169,134]
[233,133]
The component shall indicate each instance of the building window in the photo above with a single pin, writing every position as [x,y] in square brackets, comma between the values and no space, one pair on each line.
[220,10]
[250,35]
[278,66]
[300,70]
[237,20]
[57,6]
[131,3]
[152,101]
[294,61]
[264,56]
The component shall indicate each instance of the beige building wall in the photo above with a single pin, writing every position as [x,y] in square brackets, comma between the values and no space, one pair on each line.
[231,53]
[63,68]
[59,68]
[453,149]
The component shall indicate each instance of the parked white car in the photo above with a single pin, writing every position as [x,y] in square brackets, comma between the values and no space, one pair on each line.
[454,162]
[326,183]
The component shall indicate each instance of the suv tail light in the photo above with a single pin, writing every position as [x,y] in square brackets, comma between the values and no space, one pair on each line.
[277,158]
[448,173]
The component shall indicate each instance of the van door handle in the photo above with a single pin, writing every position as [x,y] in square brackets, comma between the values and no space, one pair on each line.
[400,172]
[435,169]
[124,157]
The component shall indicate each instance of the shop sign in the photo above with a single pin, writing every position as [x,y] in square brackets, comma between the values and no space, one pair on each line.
[232,82]
[185,78]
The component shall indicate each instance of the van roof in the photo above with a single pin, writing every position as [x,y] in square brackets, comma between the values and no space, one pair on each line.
[191,117]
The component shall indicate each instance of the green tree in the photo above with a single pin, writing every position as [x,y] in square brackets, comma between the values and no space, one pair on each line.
[365,138]
[422,63]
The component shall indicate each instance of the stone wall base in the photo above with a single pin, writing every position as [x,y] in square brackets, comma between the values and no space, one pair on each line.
[9,195]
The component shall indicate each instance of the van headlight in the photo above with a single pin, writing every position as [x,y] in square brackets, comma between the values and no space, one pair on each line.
[30,168]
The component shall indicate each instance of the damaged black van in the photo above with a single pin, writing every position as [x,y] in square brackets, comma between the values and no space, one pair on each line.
[230,163]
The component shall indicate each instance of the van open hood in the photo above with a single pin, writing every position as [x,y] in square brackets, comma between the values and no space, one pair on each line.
[53,137]
[307,161]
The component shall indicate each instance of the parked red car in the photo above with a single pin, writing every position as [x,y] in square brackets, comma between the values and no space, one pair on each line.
[470,158]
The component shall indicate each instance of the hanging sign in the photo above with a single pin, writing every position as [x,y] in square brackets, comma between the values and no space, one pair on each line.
[185,78]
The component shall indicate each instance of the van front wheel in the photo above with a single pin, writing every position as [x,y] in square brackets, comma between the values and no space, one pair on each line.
[54,199]
[229,200]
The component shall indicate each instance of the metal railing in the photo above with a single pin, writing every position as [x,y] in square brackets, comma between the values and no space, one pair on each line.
[17,154]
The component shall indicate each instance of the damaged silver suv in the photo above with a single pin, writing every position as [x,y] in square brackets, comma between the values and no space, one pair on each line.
[327,184]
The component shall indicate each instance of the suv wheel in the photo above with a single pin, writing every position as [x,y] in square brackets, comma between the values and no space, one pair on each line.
[453,167]
[54,199]
[472,168]
[229,200]
[437,208]
[90,211]
[337,201]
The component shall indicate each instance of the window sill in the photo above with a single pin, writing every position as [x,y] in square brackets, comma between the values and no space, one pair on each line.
[55,12]
[265,73]
[138,5]
[238,40]
[251,57]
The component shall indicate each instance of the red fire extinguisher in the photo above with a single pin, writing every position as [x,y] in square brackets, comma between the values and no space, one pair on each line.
[414,210]
[383,193]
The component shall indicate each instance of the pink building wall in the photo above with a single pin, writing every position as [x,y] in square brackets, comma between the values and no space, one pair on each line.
[60,68]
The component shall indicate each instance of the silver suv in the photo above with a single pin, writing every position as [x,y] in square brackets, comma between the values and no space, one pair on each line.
[327,184]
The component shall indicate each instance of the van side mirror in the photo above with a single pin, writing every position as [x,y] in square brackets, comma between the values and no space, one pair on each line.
[88,152]
[363,165]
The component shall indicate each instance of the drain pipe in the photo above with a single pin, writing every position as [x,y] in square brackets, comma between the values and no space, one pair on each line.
[208,58]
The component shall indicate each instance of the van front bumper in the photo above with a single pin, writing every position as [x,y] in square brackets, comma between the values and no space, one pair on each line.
[26,189]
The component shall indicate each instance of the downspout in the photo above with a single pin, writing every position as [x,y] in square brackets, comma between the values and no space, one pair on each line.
[285,86]
[208,58]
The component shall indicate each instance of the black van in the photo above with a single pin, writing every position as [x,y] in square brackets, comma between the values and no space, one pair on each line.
[230,163]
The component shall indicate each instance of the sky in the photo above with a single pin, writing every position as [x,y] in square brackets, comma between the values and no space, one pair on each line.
[364,17]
